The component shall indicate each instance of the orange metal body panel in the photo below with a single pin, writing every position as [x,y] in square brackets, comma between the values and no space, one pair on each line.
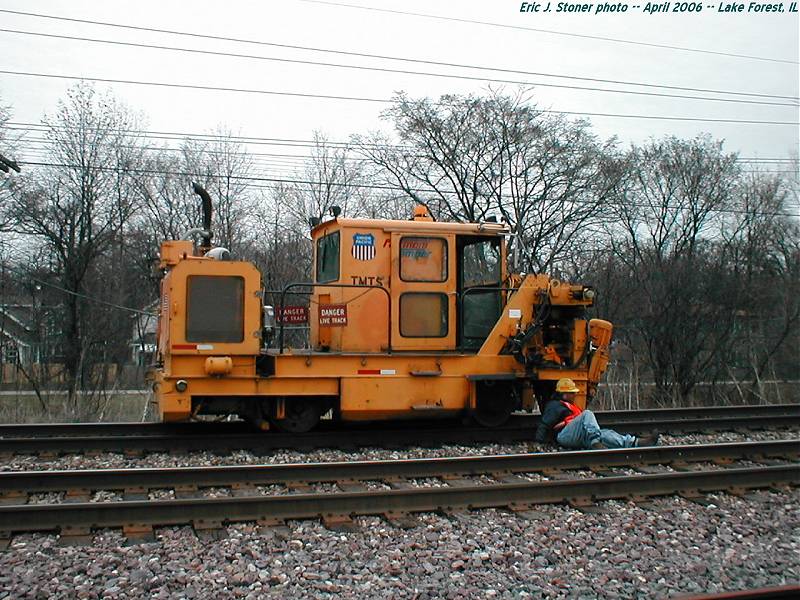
[174,290]
[517,312]
[392,397]
[367,309]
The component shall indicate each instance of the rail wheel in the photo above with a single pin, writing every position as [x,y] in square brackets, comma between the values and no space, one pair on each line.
[495,402]
[299,416]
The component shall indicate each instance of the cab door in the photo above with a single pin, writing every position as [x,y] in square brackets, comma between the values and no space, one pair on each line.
[480,272]
[423,291]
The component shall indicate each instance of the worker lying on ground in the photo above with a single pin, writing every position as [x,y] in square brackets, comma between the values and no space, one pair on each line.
[578,429]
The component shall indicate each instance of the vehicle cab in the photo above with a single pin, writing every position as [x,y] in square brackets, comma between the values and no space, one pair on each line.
[418,285]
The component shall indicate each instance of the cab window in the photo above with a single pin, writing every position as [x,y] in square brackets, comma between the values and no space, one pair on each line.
[214,309]
[480,267]
[423,314]
[328,258]
[423,259]
[481,264]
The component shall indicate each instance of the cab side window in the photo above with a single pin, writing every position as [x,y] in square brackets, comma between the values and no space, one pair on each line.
[481,264]
[328,258]
[480,267]
[423,314]
[423,259]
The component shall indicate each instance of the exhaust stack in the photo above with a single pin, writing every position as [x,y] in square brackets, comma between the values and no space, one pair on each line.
[206,200]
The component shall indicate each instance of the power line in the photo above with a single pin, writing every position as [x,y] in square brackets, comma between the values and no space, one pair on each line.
[44,143]
[768,159]
[43,162]
[198,137]
[198,87]
[331,183]
[211,137]
[389,70]
[299,160]
[37,144]
[552,32]
[78,294]
[385,57]
[201,137]
[372,100]
[213,176]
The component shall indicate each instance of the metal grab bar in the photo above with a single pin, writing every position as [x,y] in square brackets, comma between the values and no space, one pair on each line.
[333,285]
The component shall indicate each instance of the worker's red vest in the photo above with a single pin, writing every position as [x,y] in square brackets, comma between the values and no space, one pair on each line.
[574,411]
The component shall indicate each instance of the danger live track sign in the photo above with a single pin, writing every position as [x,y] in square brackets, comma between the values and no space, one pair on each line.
[292,315]
[333,315]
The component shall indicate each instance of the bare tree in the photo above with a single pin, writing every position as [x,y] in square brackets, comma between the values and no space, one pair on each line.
[666,244]
[466,157]
[284,251]
[444,157]
[226,170]
[330,177]
[764,256]
[76,209]
[169,208]
[8,164]
[550,182]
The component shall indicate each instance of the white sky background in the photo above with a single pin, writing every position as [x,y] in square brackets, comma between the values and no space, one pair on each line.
[335,27]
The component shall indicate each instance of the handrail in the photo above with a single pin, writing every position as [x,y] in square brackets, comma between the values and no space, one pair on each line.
[333,285]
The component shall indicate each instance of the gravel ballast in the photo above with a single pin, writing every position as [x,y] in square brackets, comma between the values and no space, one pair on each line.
[244,457]
[624,552]
[627,551]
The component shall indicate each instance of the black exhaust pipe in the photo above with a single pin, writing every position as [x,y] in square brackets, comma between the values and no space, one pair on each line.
[206,199]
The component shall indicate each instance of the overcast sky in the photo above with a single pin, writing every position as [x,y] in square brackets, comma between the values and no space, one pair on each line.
[326,26]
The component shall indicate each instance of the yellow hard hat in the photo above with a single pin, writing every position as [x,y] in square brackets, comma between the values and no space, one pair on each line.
[566,386]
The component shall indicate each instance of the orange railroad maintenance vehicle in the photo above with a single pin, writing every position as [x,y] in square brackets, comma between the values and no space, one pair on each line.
[408,319]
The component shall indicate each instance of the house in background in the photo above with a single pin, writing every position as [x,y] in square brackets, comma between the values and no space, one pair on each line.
[30,338]
[18,340]
[143,335]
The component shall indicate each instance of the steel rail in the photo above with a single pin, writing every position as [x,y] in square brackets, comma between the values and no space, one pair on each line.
[17,484]
[238,437]
[28,430]
[703,412]
[787,592]
[261,443]
[201,512]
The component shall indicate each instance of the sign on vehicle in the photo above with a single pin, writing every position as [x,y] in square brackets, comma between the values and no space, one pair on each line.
[333,315]
[292,315]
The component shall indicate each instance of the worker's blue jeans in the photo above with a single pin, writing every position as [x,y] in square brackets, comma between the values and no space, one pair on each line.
[583,431]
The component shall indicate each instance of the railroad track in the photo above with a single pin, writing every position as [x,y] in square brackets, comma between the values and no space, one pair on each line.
[270,494]
[140,438]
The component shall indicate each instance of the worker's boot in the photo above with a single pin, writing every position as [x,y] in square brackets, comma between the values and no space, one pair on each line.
[649,439]
[599,446]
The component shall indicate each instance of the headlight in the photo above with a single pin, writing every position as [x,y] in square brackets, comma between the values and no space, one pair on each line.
[181,385]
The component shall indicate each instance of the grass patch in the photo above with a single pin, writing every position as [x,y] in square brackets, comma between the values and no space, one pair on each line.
[126,405]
